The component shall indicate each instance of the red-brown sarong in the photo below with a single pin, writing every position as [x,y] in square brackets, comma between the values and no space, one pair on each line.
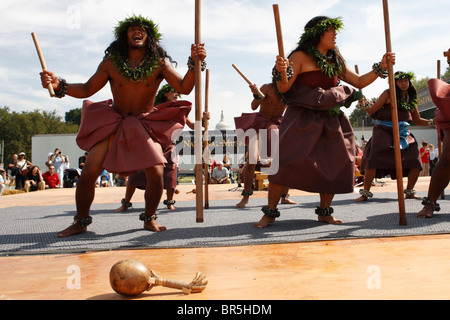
[256,121]
[440,94]
[316,151]
[379,152]
[133,147]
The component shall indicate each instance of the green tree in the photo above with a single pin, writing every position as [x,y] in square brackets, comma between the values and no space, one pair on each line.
[447,73]
[420,84]
[16,129]
[73,116]
[358,115]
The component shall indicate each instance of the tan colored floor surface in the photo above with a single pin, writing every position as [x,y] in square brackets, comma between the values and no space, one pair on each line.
[388,268]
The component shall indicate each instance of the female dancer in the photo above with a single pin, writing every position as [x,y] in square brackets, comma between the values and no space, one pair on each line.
[378,159]
[316,151]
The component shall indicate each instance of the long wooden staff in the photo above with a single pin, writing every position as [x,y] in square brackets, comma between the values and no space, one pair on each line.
[438,77]
[205,141]
[42,60]
[439,140]
[198,118]
[395,126]
[364,118]
[248,80]
[276,13]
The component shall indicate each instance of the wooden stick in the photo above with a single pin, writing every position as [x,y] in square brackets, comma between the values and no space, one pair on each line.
[276,13]
[42,60]
[205,141]
[248,80]
[439,140]
[363,120]
[395,126]
[198,118]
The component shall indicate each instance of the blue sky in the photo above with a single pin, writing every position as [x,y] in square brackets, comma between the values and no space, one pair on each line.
[74,34]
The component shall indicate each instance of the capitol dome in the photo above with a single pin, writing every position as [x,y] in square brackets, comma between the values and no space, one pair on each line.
[222,125]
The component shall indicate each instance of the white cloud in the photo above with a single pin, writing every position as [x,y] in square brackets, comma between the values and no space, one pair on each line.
[74,34]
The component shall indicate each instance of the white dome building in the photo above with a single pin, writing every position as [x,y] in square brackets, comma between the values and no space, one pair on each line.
[222,125]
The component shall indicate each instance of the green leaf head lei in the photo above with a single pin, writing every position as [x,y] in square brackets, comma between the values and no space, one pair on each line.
[138,21]
[399,75]
[119,55]
[330,64]
[318,29]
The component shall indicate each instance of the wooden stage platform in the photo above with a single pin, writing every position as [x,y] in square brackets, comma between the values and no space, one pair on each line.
[385,268]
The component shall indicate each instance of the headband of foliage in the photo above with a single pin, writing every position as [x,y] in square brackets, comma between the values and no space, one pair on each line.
[138,21]
[399,75]
[320,28]
[161,95]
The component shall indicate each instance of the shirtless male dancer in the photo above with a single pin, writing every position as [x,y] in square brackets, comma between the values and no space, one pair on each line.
[134,65]
[271,109]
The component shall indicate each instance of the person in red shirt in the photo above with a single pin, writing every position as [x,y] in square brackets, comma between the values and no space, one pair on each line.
[425,157]
[51,179]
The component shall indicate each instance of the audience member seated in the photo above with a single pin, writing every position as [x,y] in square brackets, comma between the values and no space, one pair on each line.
[82,160]
[33,180]
[71,177]
[105,179]
[220,175]
[22,165]
[51,179]
[2,181]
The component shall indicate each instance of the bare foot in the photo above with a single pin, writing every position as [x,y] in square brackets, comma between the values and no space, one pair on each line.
[154,226]
[288,201]
[329,219]
[73,229]
[413,197]
[121,209]
[361,199]
[243,202]
[171,207]
[426,212]
[264,222]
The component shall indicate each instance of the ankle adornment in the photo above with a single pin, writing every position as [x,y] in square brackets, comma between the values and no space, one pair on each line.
[409,192]
[323,212]
[366,193]
[126,204]
[434,205]
[84,222]
[169,202]
[247,194]
[146,218]
[270,213]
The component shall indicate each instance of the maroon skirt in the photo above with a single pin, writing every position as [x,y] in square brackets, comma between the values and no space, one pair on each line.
[440,94]
[256,121]
[134,138]
[316,151]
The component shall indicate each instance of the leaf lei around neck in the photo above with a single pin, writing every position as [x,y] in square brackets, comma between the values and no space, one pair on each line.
[409,104]
[141,72]
[330,69]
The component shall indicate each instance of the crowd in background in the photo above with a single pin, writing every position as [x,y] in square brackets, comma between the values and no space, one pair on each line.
[24,175]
